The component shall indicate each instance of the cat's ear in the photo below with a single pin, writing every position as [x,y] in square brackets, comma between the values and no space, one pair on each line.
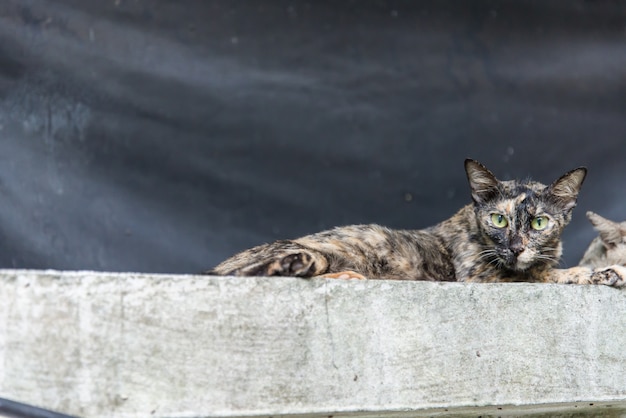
[483,183]
[564,191]
[610,232]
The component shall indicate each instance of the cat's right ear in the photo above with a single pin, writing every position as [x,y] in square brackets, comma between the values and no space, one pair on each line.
[564,191]
[483,183]
[610,232]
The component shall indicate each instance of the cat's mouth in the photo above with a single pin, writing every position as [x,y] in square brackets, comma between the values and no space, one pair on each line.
[518,262]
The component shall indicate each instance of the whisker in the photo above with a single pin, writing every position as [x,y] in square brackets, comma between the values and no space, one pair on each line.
[487,255]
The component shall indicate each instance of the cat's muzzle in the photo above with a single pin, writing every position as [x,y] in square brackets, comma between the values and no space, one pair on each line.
[515,260]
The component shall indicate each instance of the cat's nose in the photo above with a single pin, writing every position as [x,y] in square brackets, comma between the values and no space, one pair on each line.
[517,246]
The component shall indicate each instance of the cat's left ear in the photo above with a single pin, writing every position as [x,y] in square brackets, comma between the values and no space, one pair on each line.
[610,232]
[564,191]
[483,183]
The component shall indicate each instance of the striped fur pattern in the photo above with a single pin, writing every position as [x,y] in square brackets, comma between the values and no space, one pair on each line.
[490,240]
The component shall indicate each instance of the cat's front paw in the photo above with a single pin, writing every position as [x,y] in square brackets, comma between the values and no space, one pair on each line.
[610,276]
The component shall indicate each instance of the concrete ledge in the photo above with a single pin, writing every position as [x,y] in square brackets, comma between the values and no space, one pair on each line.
[132,345]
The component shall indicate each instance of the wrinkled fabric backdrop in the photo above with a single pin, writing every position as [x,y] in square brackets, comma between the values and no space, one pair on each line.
[162,136]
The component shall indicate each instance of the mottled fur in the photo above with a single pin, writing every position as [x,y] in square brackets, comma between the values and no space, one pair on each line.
[467,247]
[609,247]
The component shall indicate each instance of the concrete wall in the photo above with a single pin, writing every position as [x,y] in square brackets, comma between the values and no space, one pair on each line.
[132,345]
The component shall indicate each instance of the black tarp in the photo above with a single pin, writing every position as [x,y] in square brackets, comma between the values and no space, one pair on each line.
[163,136]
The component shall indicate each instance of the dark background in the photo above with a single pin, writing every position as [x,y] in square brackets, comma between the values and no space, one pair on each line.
[163,136]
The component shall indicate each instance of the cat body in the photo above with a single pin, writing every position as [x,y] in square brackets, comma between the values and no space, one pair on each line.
[511,232]
[609,247]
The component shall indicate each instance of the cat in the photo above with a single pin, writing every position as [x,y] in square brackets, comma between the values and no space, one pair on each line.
[511,232]
[609,247]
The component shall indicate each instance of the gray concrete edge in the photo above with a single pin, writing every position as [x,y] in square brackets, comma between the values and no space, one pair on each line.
[135,345]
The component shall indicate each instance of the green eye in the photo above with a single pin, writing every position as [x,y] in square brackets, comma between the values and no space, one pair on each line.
[539,223]
[498,220]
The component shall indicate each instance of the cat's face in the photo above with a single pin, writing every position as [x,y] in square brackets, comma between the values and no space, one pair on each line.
[521,221]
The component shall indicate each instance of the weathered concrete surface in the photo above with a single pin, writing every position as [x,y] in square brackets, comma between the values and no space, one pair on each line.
[131,345]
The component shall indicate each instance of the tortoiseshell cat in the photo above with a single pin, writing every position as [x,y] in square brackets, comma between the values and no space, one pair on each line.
[609,247]
[511,233]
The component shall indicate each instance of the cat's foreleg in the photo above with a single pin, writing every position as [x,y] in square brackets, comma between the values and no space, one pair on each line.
[280,258]
[610,276]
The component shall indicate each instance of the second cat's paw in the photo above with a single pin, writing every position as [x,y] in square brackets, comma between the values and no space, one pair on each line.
[610,276]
